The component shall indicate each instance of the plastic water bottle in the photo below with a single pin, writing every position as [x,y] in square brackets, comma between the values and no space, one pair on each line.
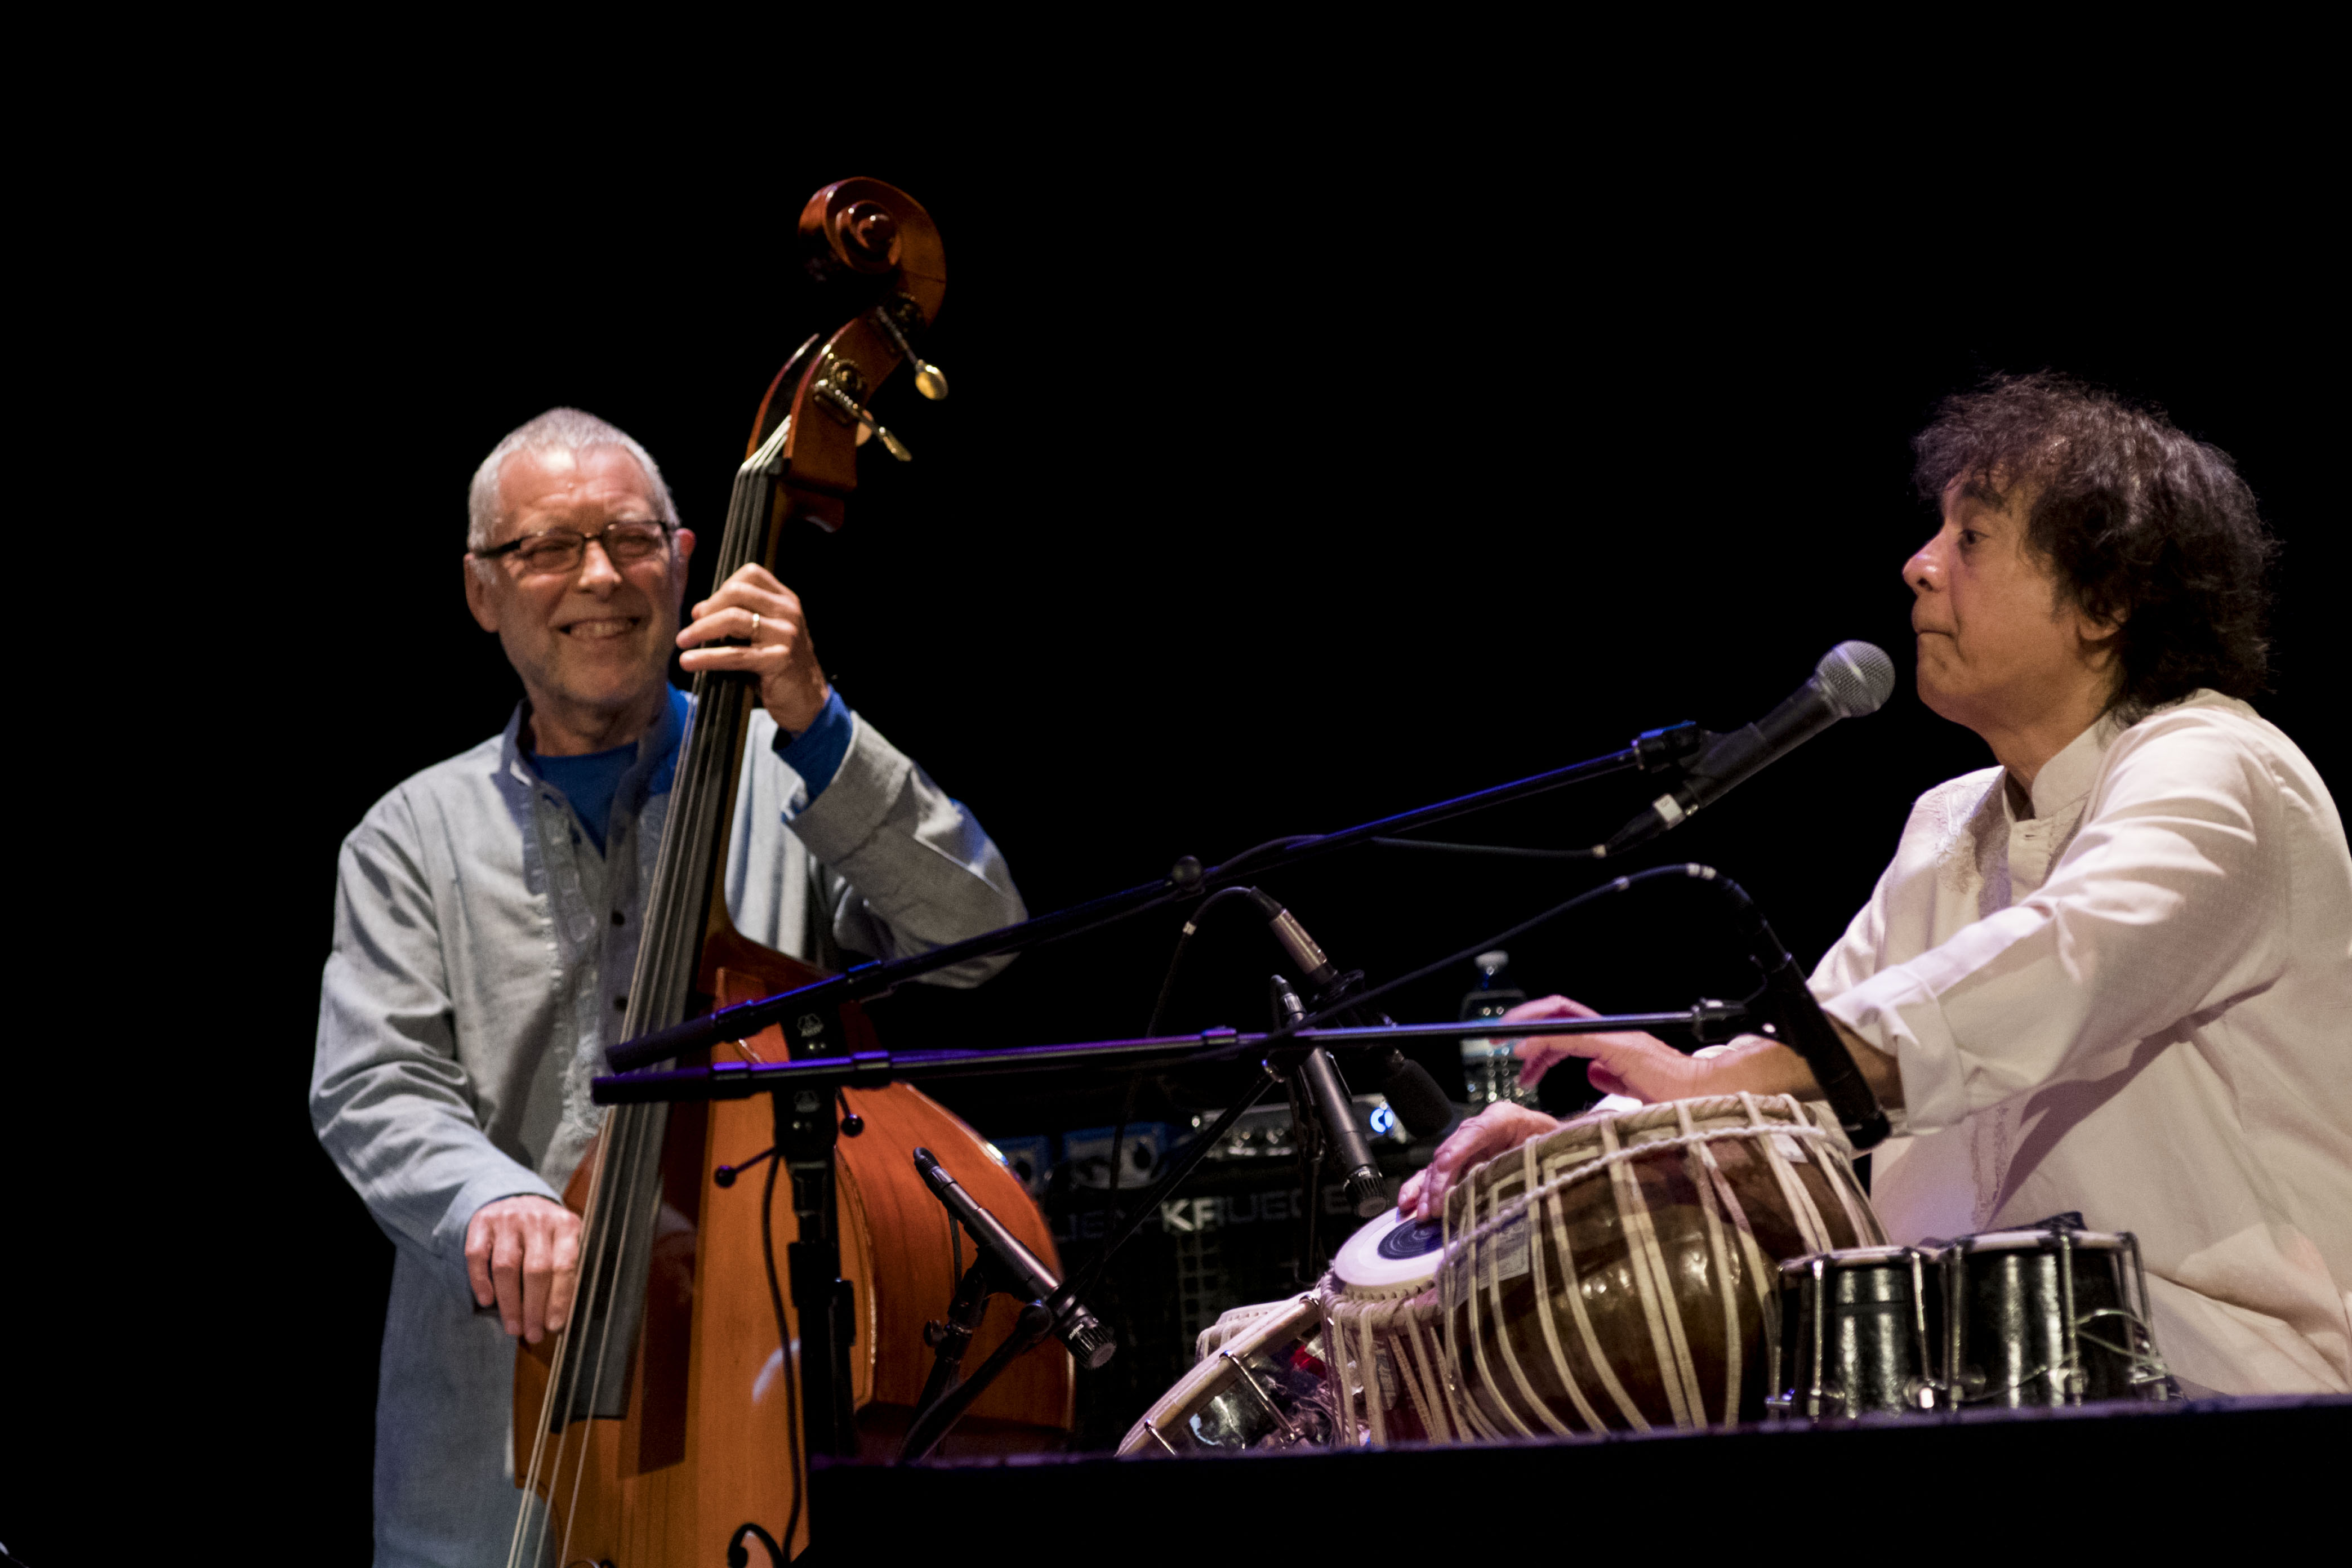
[1488,1068]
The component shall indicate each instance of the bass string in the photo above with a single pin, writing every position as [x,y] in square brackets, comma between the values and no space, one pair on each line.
[564,1374]
[604,1338]
[665,965]
[697,761]
[619,1183]
[666,961]
[699,803]
[624,1134]
[530,1480]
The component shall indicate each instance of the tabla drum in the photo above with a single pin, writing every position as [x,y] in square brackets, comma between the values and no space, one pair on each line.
[2049,1316]
[1616,1274]
[1857,1331]
[1387,1337]
[1264,1387]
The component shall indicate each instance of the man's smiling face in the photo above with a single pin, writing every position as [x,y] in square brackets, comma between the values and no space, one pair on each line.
[596,640]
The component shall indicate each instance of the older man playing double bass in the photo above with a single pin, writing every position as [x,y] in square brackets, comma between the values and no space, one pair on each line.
[2113,973]
[486,923]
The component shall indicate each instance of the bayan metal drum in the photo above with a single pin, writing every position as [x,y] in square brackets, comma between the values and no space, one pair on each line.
[1387,1337]
[1616,1273]
[1857,1331]
[2053,1315]
[1264,1387]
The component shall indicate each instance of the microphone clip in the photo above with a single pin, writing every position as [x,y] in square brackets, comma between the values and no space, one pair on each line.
[1657,751]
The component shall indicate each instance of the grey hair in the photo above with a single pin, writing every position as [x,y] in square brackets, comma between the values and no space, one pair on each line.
[557,430]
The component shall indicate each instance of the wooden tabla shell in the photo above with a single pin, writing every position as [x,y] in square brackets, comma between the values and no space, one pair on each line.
[1386,1335]
[1615,1274]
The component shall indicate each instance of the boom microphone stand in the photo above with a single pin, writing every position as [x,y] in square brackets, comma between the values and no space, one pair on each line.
[811,1012]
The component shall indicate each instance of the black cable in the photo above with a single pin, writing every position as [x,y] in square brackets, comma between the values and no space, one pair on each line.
[1183,941]
[784,1349]
[1362,997]
[1506,850]
[740,1556]
[1168,990]
[1254,851]
[1119,1139]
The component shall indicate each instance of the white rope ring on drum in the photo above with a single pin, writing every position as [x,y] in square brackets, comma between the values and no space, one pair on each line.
[1520,1205]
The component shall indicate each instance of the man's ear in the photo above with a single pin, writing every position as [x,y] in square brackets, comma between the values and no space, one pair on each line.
[682,541]
[477,599]
[2097,632]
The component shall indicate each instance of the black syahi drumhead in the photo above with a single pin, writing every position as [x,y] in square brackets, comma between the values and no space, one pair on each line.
[1418,1239]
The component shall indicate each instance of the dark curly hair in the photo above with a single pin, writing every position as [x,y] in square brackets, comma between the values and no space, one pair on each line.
[2140,523]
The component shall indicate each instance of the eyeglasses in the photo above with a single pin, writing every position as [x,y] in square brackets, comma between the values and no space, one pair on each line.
[558,552]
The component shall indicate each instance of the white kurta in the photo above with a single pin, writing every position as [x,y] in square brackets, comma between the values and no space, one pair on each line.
[2136,1003]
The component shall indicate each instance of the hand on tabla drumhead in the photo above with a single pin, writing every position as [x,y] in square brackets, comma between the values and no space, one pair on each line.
[1630,1063]
[1493,1129]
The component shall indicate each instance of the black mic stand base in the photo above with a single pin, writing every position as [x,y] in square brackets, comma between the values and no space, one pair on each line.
[951,1339]
[933,1423]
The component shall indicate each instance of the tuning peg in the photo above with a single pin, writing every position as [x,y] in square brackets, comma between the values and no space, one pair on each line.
[867,423]
[930,379]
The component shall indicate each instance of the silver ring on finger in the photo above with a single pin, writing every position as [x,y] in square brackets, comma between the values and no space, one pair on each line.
[755,626]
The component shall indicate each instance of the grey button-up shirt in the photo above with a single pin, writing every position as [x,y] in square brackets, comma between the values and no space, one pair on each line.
[483,951]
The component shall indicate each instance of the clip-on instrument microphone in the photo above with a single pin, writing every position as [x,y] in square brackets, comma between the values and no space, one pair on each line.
[1319,1075]
[1419,1105]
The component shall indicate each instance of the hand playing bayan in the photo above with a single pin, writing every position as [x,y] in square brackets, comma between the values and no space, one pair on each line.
[1482,1137]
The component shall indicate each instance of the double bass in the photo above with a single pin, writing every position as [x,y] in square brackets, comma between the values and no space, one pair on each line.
[663,1425]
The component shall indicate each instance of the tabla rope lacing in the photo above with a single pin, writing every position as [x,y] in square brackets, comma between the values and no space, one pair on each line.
[1533,1257]
[1702,1163]
[1506,1213]
[1595,1353]
[1653,1286]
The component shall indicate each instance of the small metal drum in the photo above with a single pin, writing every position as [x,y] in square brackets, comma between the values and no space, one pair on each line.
[1857,1331]
[2049,1316]
[1388,1339]
[1263,1388]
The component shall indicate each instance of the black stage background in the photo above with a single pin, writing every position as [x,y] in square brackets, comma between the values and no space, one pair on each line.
[1245,519]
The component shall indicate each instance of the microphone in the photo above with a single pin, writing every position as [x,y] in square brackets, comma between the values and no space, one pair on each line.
[1018,1270]
[1789,1003]
[1411,1093]
[1853,679]
[1358,1171]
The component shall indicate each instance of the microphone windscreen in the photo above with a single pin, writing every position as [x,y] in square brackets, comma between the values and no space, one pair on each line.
[1416,1097]
[1857,678]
